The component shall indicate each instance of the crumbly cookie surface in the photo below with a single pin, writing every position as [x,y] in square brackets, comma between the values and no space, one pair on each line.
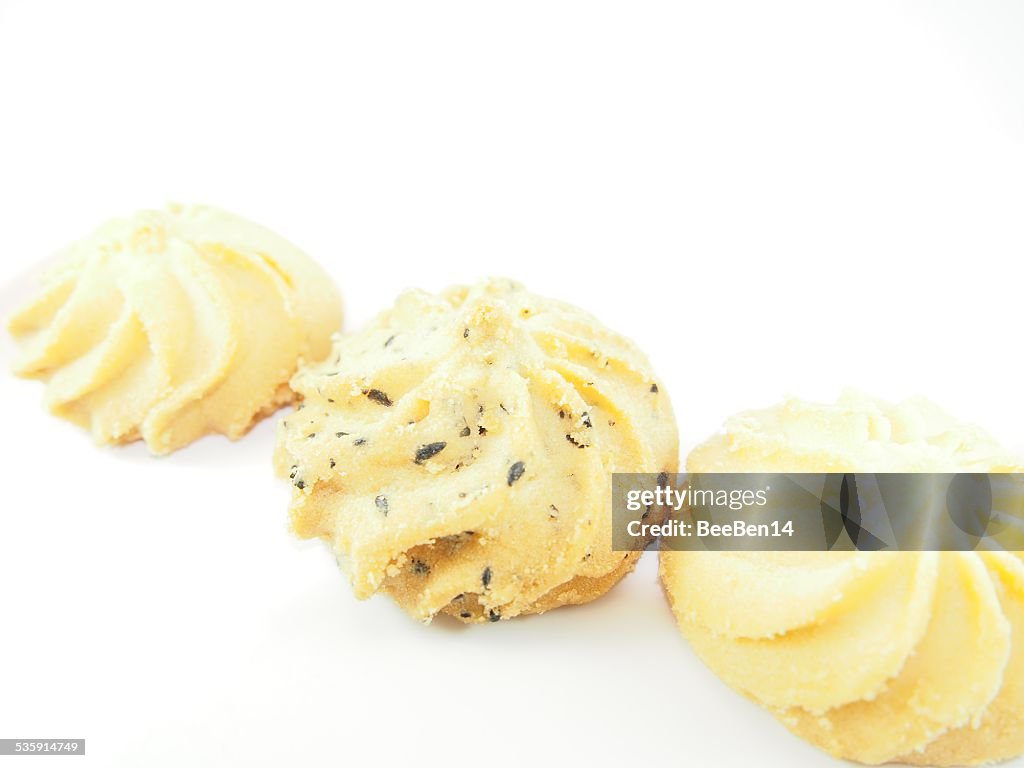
[457,453]
[913,657]
[175,323]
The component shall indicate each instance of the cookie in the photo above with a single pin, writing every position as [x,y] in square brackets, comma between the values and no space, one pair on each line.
[172,324]
[457,453]
[913,657]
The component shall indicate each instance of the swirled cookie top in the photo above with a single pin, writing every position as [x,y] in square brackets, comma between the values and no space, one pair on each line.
[463,443]
[173,323]
[874,656]
[857,433]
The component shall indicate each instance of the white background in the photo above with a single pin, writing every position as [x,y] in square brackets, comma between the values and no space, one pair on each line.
[770,197]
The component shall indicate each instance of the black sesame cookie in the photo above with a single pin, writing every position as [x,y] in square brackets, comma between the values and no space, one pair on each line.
[458,452]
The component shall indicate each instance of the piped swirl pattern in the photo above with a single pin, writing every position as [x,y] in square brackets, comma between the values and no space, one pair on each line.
[457,453]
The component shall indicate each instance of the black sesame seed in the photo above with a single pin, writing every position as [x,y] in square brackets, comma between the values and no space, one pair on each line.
[466,432]
[575,442]
[300,484]
[654,388]
[420,568]
[340,434]
[378,397]
[466,615]
[429,451]
[388,342]
[516,471]
[663,478]
[332,463]
[586,420]
[561,414]
[311,435]
[465,333]
[382,504]
[486,577]
[359,441]
[294,471]
[493,615]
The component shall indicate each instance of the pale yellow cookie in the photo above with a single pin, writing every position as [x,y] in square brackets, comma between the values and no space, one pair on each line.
[173,324]
[875,657]
[457,453]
